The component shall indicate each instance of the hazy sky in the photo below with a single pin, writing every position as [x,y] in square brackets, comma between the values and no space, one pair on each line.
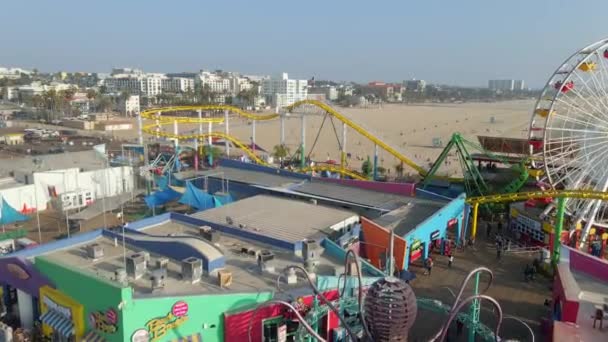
[462,42]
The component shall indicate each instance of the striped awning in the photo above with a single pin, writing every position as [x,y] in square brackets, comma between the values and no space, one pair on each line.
[58,322]
[92,336]
[191,338]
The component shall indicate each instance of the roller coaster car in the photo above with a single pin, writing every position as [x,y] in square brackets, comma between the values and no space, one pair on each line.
[606,53]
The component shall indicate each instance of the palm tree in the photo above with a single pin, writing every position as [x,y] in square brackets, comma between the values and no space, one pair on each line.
[104,103]
[280,152]
[399,170]
[91,95]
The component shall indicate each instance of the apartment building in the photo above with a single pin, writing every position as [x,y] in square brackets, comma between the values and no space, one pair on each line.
[177,84]
[282,91]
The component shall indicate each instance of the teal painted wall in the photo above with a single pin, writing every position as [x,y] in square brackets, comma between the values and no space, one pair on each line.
[205,313]
[92,292]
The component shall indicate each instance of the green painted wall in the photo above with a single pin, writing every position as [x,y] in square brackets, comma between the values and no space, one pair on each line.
[93,293]
[205,313]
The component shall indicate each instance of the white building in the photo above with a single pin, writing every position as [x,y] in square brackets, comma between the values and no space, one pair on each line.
[330,92]
[135,82]
[506,85]
[48,185]
[282,92]
[36,88]
[12,73]
[130,106]
[216,83]
[177,84]
[414,85]
[519,85]
[238,84]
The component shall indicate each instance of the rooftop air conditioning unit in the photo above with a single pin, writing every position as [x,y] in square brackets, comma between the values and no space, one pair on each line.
[224,278]
[209,234]
[157,278]
[310,250]
[136,265]
[192,269]
[94,251]
[162,263]
[120,275]
[265,255]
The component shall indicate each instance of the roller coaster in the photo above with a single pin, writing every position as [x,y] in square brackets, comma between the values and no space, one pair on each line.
[155,115]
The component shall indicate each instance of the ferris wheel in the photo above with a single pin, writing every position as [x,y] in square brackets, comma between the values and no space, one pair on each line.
[568,131]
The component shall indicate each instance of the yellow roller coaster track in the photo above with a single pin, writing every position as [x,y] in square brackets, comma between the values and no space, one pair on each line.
[524,196]
[251,153]
[153,114]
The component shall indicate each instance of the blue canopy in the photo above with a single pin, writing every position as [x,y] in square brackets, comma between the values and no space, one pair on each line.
[8,214]
[222,199]
[161,197]
[197,198]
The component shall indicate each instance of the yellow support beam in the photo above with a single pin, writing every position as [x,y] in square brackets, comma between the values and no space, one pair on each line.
[524,196]
[474,225]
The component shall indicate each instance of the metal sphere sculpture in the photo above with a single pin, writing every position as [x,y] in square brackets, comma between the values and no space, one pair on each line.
[390,309]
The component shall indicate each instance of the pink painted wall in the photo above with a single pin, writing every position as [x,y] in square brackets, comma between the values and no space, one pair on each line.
[589,264]
[404,189]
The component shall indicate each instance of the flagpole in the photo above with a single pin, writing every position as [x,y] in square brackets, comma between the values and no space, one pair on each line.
[37,213]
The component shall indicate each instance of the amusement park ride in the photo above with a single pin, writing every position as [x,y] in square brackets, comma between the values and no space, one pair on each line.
[568,164]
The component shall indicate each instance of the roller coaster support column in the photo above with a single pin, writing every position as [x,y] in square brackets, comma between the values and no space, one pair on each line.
[176,133]
[253,135]
[559,226]
[303,143]
[196,142]
[140,133]
[227,131]
[283,129]
[375,174]
[343,154]
[210,142]
[157,125]
[474,223]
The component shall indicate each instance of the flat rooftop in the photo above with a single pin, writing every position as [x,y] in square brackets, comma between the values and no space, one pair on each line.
[281,218]
[354,195]
[246,275]
[243,176]
[406,218]
[87,160]
[592,289]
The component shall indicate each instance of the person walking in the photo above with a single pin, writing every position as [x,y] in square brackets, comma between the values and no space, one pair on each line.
[488,230]
[450,260]
[430,265]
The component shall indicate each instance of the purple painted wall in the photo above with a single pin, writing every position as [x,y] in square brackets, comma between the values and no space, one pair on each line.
[21,274]
[589,264]
[404,189]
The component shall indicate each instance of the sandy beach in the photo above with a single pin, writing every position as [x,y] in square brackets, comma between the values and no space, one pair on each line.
[408,128]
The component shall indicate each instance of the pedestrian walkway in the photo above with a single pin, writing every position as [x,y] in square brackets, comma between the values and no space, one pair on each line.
[524,300]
